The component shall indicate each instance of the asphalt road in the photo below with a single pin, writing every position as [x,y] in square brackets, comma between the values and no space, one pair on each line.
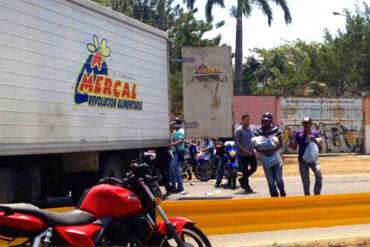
[332,184]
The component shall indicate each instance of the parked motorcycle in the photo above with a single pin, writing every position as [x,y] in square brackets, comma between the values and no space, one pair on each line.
[203,165]
[205,168]
[112,213]
[231,165]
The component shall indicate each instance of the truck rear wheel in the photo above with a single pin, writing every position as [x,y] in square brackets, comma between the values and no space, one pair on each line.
[22,184]
[27,183]
[113,167]
[53,181]
[36,183]
[6,185]
[79,182]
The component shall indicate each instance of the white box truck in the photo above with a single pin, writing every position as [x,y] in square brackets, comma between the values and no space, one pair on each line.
[83,90]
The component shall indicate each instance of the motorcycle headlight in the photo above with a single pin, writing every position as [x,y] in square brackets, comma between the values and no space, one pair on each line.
[232,154]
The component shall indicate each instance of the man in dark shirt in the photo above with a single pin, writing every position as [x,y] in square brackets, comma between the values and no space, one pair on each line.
[220,151]
[274,174]
[301,138]
[246,155]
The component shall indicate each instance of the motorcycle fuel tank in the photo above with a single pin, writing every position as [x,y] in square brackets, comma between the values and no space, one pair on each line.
[110,201]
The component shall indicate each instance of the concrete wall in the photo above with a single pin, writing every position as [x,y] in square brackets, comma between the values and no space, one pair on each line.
[343,123]
[255,106]
[208,90]
[367,125]
[339,121]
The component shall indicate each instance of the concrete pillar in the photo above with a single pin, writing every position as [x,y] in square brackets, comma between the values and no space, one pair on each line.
[366,125]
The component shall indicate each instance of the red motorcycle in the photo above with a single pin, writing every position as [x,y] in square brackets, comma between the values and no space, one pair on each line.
[112,213]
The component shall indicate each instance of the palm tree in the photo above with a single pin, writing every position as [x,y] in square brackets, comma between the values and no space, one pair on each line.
[244,8]
[123,6]
[158,13]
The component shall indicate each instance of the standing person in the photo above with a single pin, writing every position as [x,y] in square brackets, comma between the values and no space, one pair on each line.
[178,152]
[193,149]
[220,152]
[208,149]
[274,173]
[301,139]
[162,162]
[246,155]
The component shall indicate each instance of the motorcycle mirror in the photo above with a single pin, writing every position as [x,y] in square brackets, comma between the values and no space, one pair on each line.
[110,180]
[157,178]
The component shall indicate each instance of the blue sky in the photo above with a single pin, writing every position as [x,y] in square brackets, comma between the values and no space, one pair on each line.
[310,17]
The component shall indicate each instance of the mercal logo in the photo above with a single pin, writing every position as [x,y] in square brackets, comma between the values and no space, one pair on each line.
[96,88]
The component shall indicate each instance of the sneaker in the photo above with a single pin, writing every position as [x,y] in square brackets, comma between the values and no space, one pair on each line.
[169,192]
[217,185]
[183,192]
[248,190]
[179,190]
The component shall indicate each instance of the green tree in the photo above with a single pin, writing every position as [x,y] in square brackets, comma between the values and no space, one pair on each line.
[158,13]
[337,67]
[182,27]
[186,31]
[244,8]
[345,57]
[291,69]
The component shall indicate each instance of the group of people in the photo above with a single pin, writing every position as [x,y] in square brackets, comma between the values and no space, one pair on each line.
[177,154]
[248,153]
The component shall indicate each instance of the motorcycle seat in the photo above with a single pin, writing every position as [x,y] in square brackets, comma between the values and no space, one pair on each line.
[71,218]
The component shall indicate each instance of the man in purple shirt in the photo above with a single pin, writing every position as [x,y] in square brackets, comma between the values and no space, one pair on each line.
[301,138]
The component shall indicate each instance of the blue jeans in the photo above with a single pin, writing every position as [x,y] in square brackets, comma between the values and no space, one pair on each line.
[248,167]
[274,176]
[176,171]
[305,175]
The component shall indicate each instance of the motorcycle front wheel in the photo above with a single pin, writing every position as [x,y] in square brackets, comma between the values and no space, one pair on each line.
[191,235]
[204,170]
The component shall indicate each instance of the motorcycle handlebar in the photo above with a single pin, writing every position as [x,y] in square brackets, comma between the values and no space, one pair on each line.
[135,172]
[157,178]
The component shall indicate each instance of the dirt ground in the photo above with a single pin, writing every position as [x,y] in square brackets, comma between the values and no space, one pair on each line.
[330,165]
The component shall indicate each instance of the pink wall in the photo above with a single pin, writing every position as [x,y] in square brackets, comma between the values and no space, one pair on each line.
[255,106]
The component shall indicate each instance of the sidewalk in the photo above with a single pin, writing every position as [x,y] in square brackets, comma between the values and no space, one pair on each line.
[356,235]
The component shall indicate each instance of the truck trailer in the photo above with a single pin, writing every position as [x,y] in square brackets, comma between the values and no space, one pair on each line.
[83,91]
